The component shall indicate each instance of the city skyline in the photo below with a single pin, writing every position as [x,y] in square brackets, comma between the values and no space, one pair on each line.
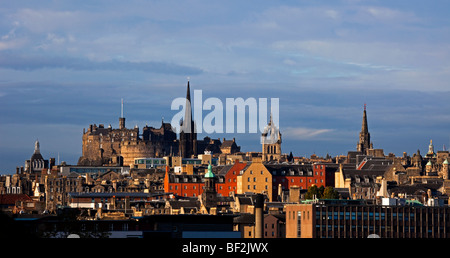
[65,66]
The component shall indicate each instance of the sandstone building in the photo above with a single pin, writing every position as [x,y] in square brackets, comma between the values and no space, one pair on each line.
[108,146]
[119,147]
[271,142]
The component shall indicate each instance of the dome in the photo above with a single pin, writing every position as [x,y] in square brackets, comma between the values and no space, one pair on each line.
[209,174]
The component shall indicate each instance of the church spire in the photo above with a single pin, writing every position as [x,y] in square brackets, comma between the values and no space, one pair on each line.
[188,135]
[187,120]
[364,143]
[364,127]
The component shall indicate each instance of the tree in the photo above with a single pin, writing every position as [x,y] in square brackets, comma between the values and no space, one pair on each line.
[330,193]
[314,192]
[321,192]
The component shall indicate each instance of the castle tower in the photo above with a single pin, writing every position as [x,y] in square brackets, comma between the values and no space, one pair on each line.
[188,134]
[271,142]
[364,143]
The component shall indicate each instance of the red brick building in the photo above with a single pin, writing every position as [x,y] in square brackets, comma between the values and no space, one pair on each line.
[286,175]
[283,175]
[192,185]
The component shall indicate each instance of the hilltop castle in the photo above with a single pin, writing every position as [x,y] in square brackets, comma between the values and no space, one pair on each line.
[108,146]
[120,146]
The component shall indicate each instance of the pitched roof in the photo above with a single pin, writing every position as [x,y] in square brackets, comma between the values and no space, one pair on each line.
[11,199]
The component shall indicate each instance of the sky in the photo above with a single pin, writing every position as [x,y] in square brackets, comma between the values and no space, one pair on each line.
[67,64]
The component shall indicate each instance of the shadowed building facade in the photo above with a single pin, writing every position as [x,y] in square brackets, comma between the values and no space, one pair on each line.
[188,134]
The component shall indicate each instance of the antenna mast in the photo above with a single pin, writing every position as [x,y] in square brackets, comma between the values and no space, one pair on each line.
[121,112]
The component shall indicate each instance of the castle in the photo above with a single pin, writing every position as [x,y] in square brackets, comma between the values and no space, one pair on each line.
[119,147]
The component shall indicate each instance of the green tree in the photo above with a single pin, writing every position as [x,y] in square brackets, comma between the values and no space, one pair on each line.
[313,192]
[330,193]
[321,192]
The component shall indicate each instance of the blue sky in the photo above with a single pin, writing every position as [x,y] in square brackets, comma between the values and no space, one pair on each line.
[65,65]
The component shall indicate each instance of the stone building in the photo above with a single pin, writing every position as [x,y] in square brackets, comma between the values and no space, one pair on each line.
[364,143]
[271,142]
[108,146]
[255,178]
[229,146]
[37,163]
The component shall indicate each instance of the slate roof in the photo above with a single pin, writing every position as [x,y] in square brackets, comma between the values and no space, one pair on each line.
[289,169]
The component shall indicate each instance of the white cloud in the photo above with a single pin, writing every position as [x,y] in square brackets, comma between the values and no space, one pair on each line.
[302,133]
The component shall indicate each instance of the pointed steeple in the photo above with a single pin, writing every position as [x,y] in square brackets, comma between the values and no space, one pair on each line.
[364,143]
[364,127]
[188,93]
[188,135]
[187,120]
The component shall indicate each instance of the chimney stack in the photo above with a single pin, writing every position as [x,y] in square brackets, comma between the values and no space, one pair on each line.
[259,216]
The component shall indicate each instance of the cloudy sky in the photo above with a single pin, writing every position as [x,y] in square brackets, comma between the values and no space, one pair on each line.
[67,64]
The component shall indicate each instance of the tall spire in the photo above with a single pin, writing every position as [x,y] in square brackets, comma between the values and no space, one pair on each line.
[364,143]
[364,127]
[187,120]
[188,135]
